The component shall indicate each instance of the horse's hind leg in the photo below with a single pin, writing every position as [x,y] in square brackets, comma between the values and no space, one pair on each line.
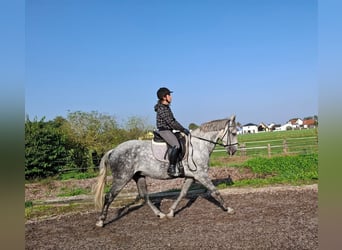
[186,185]
[109,197]
[142,189]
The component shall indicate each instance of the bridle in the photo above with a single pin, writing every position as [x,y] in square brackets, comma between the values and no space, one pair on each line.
[213,142]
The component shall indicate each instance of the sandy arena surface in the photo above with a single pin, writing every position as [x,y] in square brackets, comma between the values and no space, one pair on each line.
[283,217]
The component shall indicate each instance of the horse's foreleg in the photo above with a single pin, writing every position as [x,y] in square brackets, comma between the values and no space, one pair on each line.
[186,185]
[206,182]
[142,189]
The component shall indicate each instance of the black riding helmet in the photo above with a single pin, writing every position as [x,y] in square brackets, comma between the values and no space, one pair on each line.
[163,92]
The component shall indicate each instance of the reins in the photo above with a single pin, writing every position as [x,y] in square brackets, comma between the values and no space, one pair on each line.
[214,142]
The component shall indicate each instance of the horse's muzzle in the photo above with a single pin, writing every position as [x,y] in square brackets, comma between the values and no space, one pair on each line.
[231,150]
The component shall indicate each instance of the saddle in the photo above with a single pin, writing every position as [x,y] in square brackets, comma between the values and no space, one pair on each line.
[161,149]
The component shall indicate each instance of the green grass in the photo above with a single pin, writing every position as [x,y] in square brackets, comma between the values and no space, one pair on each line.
[298,166]
[295,170]
[73,191]
[77,175]
[41,211]
[64,176]
[28,204]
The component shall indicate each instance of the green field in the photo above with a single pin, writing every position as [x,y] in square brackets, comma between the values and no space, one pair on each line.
[267,144]
[264,155]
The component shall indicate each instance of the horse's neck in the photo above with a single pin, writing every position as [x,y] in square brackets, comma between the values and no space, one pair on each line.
[210,137]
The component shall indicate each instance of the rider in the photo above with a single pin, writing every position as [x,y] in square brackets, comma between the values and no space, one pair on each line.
[166,122]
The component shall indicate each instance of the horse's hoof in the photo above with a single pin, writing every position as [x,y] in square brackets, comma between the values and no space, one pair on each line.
[99,223]
[161,215]
[230,210]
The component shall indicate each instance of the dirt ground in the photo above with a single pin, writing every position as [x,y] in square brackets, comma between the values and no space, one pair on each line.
[265,218]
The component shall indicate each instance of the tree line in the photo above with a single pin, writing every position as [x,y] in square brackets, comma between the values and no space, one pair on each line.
[76,142]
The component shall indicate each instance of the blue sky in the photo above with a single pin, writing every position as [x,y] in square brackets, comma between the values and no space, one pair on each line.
[255,59]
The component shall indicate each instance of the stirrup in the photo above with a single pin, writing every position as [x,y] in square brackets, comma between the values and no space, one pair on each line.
[172,171]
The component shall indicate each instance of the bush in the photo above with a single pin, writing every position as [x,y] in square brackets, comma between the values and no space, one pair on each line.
[45,150]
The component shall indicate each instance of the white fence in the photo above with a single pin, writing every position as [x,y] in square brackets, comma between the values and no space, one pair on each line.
[302,145]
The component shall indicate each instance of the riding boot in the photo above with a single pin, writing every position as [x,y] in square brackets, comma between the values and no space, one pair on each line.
[173,158]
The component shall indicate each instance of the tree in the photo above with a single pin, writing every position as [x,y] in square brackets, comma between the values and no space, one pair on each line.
[94,132]
[45,151]
[136,127]
[193,126]
[77,142]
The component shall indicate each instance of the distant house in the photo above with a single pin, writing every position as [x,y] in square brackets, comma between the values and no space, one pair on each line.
[263,127]
[295,123]
[273,127]
[287,126]
[249,128]
[147,136]
[309,123]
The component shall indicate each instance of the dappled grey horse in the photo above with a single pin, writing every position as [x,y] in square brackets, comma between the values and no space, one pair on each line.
[134,160]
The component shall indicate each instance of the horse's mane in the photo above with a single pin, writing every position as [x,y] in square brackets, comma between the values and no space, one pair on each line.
[215,125]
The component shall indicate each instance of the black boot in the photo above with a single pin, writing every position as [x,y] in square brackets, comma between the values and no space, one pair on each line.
[173,158]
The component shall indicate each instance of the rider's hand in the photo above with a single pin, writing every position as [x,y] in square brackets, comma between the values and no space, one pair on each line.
[186,131]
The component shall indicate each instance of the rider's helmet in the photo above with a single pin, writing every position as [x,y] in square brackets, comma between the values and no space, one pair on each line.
[163,92]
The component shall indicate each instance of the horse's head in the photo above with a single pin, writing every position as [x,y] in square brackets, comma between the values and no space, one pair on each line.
[229,138]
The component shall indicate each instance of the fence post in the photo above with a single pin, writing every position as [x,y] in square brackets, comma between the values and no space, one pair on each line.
[285,146]
[243,149]
[269,150]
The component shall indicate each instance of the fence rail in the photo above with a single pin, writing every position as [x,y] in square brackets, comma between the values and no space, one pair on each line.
[265,148]
[302,145]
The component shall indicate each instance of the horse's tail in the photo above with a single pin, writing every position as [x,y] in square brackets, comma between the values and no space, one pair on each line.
[98,188]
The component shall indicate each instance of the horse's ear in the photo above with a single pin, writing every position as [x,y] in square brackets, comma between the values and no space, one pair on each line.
[232,118]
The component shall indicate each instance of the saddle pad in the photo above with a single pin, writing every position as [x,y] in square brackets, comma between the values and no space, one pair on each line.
[159,151]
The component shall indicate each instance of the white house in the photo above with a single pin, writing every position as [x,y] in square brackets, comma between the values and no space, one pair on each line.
[274,126]
[284,127]
[295,123]
[250,128]
[263,127]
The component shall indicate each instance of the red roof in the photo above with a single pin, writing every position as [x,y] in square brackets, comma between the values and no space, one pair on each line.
[309,122]
[293,121]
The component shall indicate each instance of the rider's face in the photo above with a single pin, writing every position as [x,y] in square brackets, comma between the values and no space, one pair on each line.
[168,98]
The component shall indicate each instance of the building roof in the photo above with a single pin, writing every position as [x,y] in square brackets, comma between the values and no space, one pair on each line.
[293,121]
[250,124]
[309,122]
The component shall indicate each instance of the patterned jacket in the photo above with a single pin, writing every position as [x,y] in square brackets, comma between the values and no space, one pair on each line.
[165,118]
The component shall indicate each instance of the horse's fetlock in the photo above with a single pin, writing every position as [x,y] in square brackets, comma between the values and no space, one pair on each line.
[230,210]
[161,215]
[215,193]
[108,196]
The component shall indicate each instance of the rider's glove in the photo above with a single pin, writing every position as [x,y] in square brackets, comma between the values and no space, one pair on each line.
[186,131]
